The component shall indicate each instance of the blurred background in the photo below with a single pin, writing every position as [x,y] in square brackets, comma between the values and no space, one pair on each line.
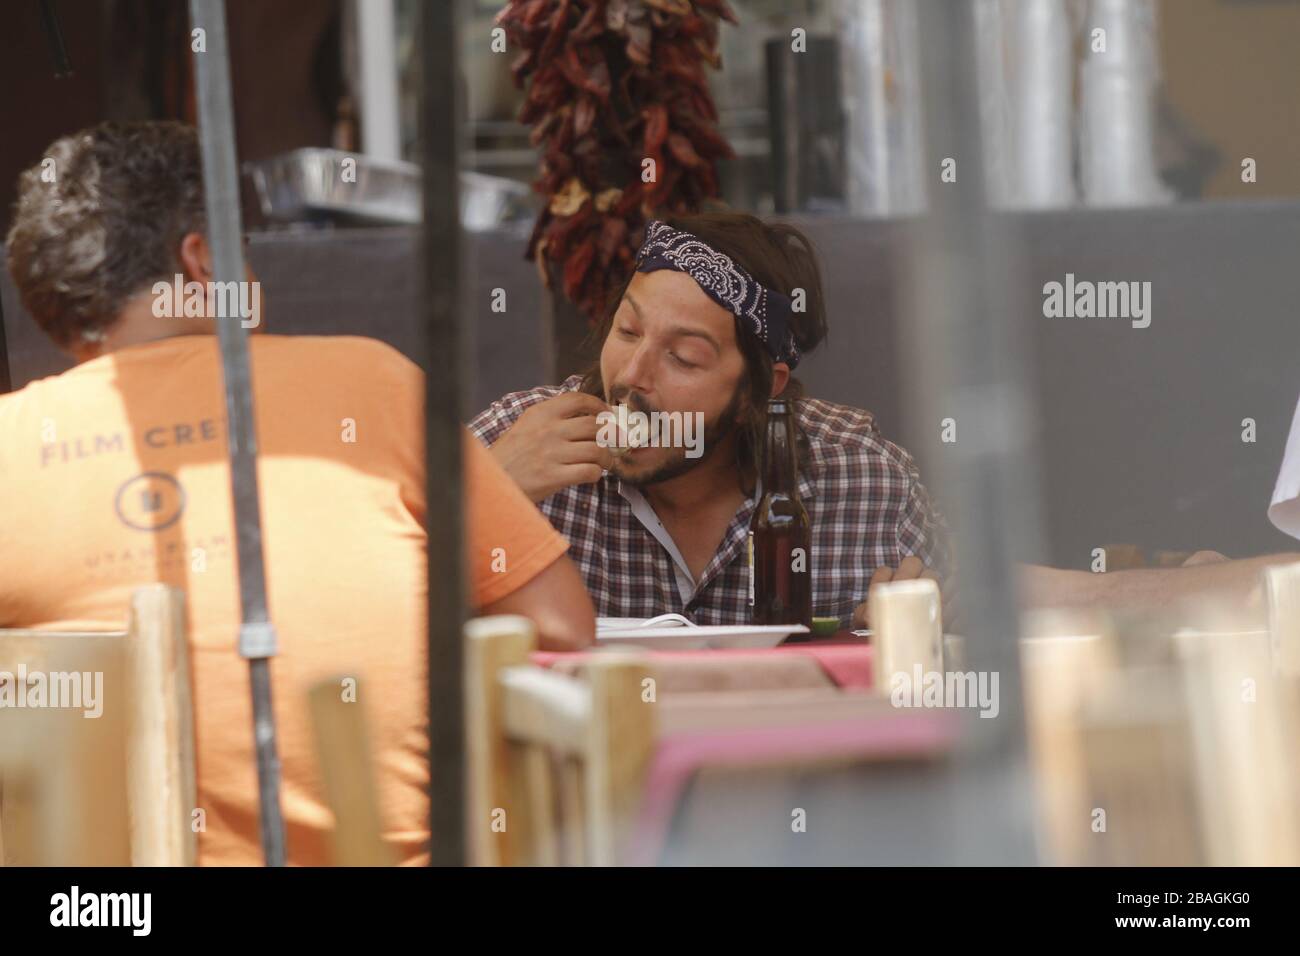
[1118,141]
[1127,167]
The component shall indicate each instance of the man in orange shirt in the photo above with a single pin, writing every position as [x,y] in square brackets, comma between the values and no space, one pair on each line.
[114,475]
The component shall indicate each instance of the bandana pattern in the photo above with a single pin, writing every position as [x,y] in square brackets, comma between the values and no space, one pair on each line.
[763,312]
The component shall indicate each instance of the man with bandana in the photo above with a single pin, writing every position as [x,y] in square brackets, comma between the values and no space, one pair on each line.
[711,324]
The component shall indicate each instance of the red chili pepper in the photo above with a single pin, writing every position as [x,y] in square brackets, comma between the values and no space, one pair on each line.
[682,150]
[575,268]
[656,126]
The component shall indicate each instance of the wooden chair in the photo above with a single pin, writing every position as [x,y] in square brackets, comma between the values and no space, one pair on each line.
[562,767]
[555,763]
[1108,741]
[1180,735]
[538,743]
[113,789]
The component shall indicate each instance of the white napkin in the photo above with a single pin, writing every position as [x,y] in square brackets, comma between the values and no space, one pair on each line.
[1285,509]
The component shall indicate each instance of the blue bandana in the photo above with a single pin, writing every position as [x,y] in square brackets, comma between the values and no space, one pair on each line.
[763,312]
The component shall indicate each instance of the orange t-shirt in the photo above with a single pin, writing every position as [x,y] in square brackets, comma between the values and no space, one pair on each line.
[114,475]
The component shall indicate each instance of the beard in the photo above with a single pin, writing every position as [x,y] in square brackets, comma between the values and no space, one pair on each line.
[716,432]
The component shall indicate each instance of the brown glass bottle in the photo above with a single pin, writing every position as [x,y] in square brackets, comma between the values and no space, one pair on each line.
[780,535]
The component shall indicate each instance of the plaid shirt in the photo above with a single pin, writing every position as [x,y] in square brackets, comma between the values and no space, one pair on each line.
[863,496]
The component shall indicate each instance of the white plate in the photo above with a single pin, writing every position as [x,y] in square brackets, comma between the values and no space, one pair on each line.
[678,638]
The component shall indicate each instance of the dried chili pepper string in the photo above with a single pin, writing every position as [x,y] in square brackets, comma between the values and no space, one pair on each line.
[609,84]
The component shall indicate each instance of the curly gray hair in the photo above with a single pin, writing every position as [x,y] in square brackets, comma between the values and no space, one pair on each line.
[100,217]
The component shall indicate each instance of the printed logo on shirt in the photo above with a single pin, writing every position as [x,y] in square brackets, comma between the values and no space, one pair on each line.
[161,554]
[158,437]
[150,501]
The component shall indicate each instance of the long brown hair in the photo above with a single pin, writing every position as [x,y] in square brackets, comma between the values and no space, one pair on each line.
[782,258]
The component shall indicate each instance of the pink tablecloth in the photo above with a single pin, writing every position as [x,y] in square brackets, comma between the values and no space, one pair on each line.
[844,659]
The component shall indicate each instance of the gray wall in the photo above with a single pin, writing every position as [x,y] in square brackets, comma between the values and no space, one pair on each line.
[1140,427]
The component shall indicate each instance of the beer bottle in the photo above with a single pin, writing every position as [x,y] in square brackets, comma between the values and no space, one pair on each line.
[780,535]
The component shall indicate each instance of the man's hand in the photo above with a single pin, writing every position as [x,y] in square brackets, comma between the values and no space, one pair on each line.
[552,445]
[910,568]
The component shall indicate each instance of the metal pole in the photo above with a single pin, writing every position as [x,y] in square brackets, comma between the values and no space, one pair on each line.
[445,348]
[257,638]
[380,99]
[966,350]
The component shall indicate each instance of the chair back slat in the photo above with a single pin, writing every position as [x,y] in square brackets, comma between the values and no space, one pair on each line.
[1282,584]
[622,738]
[343,754]
[907,625]
[160,764]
